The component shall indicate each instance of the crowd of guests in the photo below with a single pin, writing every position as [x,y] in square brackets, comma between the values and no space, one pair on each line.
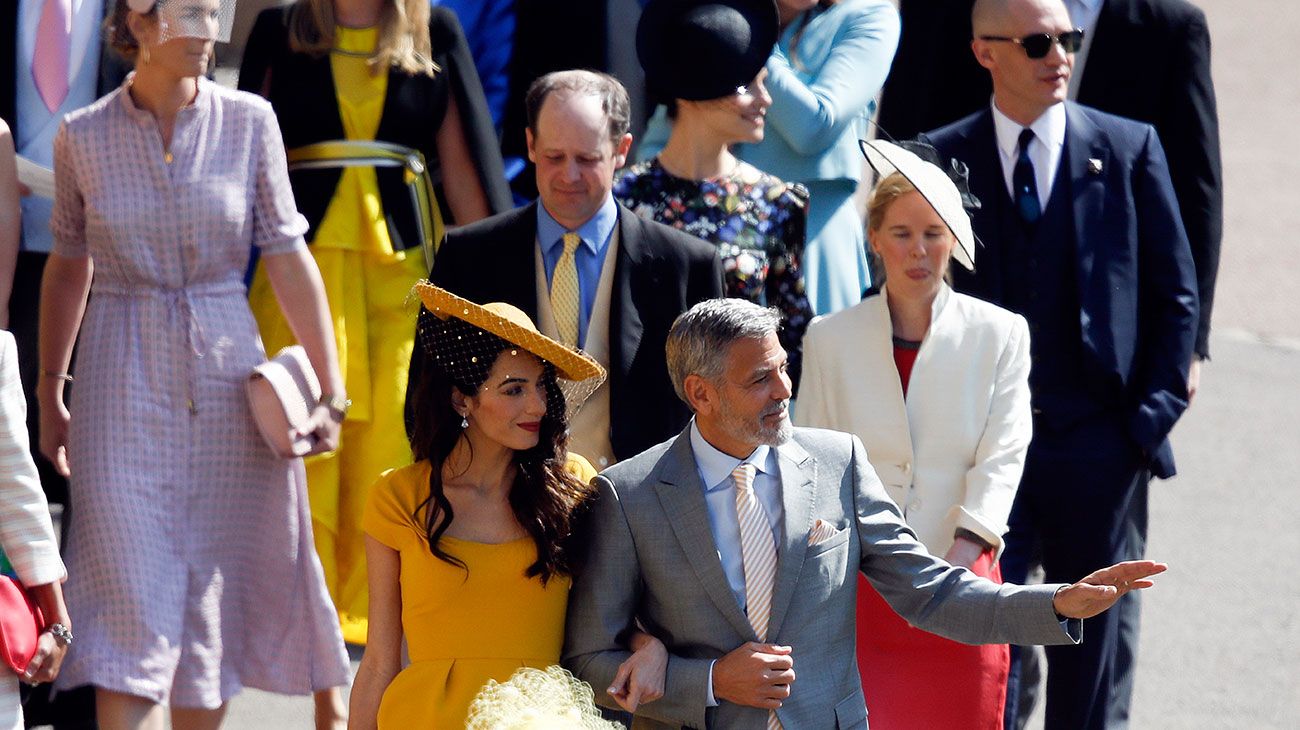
[562,432]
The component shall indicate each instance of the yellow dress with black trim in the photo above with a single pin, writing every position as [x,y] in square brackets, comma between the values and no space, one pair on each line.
[461,628]
[367,285]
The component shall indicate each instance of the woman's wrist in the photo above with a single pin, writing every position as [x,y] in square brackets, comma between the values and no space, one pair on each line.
[337,404]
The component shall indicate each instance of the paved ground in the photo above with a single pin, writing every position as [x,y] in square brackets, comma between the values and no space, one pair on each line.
[1219,644]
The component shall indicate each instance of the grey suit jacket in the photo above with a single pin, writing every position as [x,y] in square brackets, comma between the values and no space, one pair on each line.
[651,556]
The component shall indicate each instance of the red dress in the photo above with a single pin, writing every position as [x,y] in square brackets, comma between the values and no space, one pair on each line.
[914,680]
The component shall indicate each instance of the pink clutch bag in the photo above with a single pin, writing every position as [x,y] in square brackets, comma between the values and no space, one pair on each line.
[282,393]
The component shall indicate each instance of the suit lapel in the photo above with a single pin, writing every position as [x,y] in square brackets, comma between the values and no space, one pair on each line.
[979,150]
[1106,49]
[1087,162]
[516,272]
[624,343]
[681,494]
[798,497]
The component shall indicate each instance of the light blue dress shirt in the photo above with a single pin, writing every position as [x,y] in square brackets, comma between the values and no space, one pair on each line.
[36,127]
[589,258]
[715,470]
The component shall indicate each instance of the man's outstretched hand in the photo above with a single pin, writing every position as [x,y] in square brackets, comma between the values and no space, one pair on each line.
[1099,590]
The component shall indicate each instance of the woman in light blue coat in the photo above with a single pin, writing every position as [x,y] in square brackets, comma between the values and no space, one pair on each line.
[823,76]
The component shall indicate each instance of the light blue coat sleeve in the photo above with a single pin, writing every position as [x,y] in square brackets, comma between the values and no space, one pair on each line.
[813,114]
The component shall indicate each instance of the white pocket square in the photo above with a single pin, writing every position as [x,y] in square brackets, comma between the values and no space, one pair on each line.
[821,532]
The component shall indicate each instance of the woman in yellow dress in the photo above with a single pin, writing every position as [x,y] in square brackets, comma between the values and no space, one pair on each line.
[468,549]
[361,72]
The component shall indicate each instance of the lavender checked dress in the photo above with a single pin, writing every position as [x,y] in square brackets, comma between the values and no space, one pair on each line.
[190,559]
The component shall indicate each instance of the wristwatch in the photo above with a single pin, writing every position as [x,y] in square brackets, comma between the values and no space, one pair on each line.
[338,406]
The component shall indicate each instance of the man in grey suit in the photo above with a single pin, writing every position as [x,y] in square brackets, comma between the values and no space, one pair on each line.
[736,543]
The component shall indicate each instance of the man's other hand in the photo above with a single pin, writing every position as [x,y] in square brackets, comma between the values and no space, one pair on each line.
[754,675]
[1100,589]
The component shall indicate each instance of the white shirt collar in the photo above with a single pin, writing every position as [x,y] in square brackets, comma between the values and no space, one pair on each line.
[1049,129]
[715,467]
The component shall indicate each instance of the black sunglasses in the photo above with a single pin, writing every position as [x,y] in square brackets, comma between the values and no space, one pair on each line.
[1040,44]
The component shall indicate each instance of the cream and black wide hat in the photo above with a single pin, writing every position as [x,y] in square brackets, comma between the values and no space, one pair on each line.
[933,184]
[462,338]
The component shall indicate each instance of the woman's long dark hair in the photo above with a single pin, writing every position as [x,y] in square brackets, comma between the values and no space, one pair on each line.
[544,496]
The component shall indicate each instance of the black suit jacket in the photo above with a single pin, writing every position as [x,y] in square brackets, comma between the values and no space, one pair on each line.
[112,68]
[659,273]
[1149,61]
[1136,280]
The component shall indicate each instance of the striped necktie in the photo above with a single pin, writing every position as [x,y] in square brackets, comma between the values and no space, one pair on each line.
[758,553]
[51,51]
[564,291]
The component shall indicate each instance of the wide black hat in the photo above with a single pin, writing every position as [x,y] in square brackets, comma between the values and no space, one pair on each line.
[704,49]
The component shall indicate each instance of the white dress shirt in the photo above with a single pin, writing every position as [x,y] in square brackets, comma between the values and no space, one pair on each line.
[1083,14]
[1044,150]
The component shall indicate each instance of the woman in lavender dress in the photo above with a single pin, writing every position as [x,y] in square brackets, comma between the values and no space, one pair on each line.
[191,561]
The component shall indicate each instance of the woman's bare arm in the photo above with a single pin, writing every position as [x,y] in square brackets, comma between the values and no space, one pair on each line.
[460,181]
[383,658]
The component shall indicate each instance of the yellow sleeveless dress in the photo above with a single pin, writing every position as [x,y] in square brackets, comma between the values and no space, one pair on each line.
[461,629]
[367,284]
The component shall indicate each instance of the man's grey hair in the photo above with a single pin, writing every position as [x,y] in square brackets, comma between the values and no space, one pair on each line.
[613,97]
[701,337]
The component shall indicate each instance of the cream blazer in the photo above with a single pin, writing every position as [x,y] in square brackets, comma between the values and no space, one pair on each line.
[952,453]
[25,529]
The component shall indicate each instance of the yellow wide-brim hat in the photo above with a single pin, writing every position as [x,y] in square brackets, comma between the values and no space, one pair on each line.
[510,324]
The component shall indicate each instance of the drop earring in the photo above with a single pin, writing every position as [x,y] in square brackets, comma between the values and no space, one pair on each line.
[144,55]
[464,421]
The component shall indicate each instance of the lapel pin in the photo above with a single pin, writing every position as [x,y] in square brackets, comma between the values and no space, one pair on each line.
[1094,166]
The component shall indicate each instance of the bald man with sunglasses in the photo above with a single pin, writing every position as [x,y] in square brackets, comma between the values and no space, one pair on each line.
[1082,236]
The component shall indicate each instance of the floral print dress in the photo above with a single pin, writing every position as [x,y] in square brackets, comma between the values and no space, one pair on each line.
[757,222]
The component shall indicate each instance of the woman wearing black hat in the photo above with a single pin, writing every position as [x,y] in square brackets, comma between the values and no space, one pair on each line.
[824,72]
[695,183]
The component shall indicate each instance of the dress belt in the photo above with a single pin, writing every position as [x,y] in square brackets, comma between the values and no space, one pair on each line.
[341,153]
[182,298]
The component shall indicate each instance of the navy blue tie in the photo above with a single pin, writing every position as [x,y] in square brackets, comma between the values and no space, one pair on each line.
[1024,183]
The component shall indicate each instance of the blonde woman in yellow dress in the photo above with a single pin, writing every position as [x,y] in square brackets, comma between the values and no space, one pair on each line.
[395,72]
[469,548]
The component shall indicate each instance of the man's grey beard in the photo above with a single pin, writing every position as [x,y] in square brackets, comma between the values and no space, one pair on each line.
[775,436]
[757,433]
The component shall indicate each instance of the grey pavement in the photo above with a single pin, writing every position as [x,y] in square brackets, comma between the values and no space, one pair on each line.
[1221,631]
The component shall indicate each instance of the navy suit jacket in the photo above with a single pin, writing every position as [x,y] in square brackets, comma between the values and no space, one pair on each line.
[1150,61]
[1136,279]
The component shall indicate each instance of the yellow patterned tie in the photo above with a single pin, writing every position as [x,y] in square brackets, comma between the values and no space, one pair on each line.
[564,291]
[758,553]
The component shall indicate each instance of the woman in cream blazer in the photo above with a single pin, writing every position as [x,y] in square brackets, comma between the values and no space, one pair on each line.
[27,537]
[936,384]
[951,452]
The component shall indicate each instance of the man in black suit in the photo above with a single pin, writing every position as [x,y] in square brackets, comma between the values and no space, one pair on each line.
[1147,60]
[628,278]
[1082,236]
